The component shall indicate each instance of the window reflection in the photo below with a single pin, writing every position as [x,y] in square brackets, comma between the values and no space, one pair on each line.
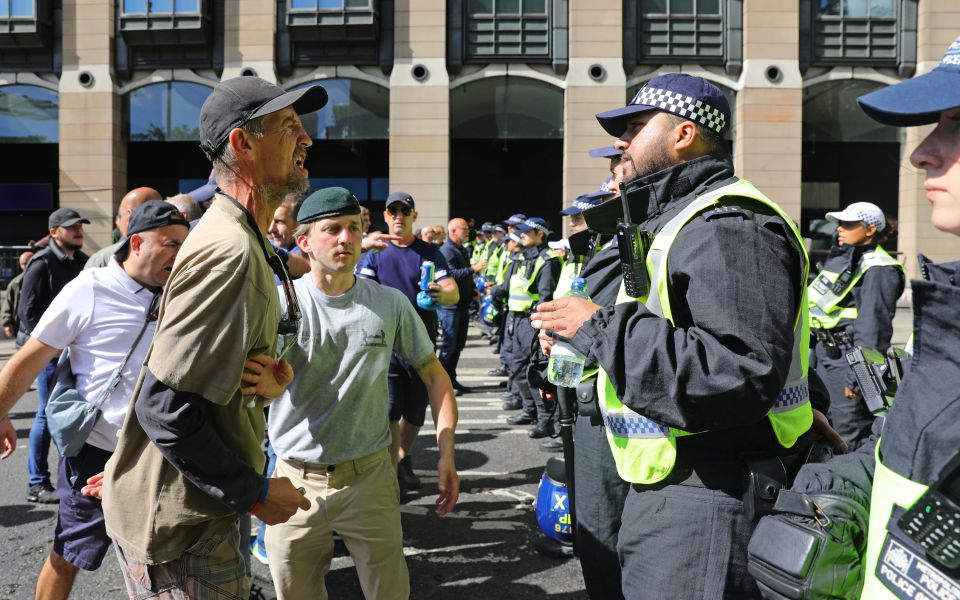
[142,7]
[166,112]
[29,115]
[506,108]
[356,110]
[856,8]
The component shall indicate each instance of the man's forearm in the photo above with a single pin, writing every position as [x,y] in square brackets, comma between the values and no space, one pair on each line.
[443,403]
[177,424]
[20,371]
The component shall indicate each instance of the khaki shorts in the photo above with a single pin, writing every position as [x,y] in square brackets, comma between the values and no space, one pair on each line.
[359,499]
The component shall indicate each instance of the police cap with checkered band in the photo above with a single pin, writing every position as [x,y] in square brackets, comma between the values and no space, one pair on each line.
[686,96]
[918,101]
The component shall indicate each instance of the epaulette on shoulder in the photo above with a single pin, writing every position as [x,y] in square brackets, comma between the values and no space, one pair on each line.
[727,210]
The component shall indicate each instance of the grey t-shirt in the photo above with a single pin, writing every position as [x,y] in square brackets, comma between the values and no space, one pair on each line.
[336,408]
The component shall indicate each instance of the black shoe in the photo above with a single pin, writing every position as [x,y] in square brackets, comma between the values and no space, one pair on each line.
[405,475]
[462,389]
[42,493]
[512,404]
[521,419]
[541,430]
[500,371]
[554,445]
[256,593]
[505,396]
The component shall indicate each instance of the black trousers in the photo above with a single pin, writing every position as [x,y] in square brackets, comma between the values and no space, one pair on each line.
[521,344]
[849,417]
[687,541]
[599,500]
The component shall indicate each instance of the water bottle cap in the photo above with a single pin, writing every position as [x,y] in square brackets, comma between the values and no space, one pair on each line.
[579,284]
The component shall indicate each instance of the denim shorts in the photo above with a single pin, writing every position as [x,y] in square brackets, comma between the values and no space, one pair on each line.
[80,536]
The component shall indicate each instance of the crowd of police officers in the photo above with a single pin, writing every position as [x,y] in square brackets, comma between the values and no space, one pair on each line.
[721,389]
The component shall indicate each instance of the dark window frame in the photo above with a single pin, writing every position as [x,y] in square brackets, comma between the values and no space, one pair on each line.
[637,36]
[815,35]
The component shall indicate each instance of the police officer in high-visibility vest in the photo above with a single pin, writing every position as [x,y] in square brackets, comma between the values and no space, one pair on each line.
[852,303]
[704,376]
[512,399]
[529,280]
[882,557]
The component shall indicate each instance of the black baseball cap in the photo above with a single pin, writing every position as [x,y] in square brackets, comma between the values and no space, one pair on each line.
[64,217]
[152,214]
[402,198]
[234,102]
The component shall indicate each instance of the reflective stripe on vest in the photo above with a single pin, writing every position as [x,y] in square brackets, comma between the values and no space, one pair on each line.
[889,488]
[823,300]
[521,299]
[568,273]
[644,450]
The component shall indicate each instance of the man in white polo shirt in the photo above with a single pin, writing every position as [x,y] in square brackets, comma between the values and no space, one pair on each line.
[99,316]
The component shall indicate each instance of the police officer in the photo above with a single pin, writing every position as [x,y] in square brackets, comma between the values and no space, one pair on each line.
[707,371]
[511,253]
[852,302]
[530,279]
[920,436]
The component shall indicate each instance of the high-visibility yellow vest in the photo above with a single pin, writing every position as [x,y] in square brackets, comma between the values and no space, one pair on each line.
[506,260]
[494,254]
[521,298]
[644,450]
[830,288]
[570,271]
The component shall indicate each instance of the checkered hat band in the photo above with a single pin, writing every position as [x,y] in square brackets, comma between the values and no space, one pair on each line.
[582,205]
[537,226]
[682,105]
[870,219]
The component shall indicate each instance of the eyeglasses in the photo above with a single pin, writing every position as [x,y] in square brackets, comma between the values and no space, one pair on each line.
[289,325]
[405,210]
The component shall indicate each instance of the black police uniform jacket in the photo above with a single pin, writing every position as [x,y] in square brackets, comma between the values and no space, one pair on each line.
[735,287]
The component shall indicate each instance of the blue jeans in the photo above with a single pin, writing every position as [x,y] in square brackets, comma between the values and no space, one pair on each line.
[271,465]
[454,322]
[39,446]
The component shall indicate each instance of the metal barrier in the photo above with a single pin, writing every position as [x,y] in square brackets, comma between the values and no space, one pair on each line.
[10,263]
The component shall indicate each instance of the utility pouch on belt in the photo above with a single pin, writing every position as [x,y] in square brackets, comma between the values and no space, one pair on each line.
[766,475]
[811,548]
[587,398]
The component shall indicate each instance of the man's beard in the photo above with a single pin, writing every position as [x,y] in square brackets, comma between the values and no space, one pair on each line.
[73,247]
[652,162]
[275,193]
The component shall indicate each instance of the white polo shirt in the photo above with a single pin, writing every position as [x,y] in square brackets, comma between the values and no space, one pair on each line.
[99,315]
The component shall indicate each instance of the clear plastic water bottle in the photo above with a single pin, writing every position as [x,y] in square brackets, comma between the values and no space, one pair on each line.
[566,363]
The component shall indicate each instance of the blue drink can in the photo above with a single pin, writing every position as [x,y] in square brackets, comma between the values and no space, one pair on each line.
[428,272]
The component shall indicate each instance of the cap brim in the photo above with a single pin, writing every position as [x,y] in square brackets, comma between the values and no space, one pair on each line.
[605,152]
[71,222]
[305,100]
[917,101]
[123,249]
[614,121]
[570,211]
[599,194]
[203,193]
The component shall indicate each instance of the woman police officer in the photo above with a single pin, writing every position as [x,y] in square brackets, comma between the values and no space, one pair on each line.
[863,505]
[852,302]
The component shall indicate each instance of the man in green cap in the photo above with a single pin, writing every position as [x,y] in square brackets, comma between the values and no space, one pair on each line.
[331,428]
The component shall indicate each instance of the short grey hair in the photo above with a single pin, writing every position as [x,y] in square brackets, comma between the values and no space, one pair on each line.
[225,162]
[187,205]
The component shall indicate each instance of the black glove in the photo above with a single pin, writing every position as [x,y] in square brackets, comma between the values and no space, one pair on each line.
[812,547]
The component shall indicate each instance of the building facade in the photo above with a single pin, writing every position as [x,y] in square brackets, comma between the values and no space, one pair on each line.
[477,108]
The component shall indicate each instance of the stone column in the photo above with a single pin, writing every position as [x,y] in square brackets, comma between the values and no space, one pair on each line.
[93,154]
[767,147]
[938,25]
[596,34]
[248,41]
[420,109]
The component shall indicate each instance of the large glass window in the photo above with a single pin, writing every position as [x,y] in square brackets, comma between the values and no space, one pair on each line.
[155,7]
[508,28]
[330,4]
[855,30]
[681,30]
[166,112]
[18,8]
[506,108]
[356,110]
[29,115]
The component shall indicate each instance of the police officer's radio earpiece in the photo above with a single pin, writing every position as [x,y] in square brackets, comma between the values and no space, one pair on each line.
[632,245]
[877,375]
[933,522]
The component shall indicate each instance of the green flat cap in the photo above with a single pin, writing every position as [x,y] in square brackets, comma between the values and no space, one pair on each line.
[326,203]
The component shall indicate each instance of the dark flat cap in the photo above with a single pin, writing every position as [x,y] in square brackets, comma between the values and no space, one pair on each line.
[152,214]
[326,203]
[64,217]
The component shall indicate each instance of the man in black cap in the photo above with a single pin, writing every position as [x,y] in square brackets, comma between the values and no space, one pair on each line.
[191,453]
[704,371]
[331,429]
[103,315]
[46,274]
